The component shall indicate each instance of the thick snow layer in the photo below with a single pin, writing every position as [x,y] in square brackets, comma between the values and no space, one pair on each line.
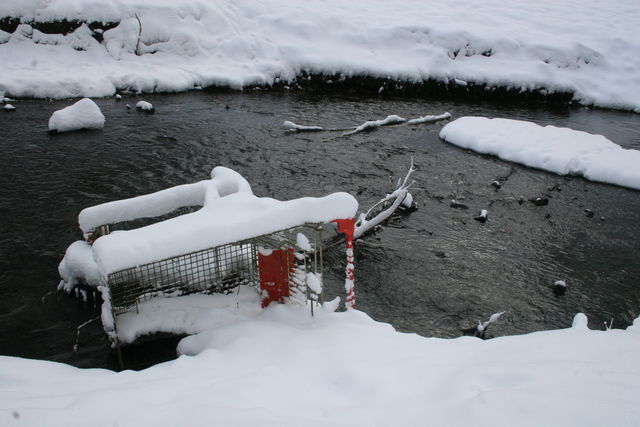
[224,181]
[78,266]
[586,47]
[189,314]
[282,367]
[84,114]
[230,213]
[224,220]
[560,150]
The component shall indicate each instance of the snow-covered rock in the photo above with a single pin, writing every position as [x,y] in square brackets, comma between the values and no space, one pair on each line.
[560,150]
[145,106]
[8,107]
[84,114]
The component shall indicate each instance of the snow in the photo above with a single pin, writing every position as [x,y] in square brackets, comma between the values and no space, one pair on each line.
[280,366]
[560,150]
[371,124]
[429,119]
[84,114]
[78,266]
[8,107]
[230,212]
[585,47]
[300,128]
[314,281]
[303,242]
[224,181]
[560,283]
[188,314]
[145,106]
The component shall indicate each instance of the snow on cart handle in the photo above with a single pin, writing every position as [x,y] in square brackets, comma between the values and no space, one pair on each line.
[223,182]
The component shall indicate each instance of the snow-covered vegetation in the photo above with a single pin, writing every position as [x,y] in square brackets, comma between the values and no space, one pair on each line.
[280,366]
[587,48]
[84,114]
[560,150]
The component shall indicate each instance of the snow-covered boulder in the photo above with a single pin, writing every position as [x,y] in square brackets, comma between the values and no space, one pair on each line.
[84,114]
[145,106]
[9,107]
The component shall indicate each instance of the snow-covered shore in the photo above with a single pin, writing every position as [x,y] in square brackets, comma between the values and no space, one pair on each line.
[282,367]
[587,48]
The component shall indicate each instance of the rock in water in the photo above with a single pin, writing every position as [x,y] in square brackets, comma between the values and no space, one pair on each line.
[539,201]
[457,205]
[482,216]
[559,287]
[84,114]
[145,106]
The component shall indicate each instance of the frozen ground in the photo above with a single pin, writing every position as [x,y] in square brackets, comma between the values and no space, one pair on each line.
[587,48]
[559,150]
[282,367]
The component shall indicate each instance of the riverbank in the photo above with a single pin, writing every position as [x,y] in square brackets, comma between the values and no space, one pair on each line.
[560,52]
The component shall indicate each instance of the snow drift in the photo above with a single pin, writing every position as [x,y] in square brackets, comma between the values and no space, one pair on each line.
[560,150]
[282,367]
[587,48]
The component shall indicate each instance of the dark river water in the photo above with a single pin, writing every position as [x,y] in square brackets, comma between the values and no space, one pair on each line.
[434,272]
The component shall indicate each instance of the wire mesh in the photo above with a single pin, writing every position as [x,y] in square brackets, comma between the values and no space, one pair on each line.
[217,269]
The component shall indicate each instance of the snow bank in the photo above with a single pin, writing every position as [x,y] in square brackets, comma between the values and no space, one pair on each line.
[282,367]
[585,47]
[84,114]
[560,150]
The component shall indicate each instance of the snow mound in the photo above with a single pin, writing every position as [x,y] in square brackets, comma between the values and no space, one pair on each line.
[145,106]
[8,107]
[84,114]
[559,150]
[187,44]
[280,366]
